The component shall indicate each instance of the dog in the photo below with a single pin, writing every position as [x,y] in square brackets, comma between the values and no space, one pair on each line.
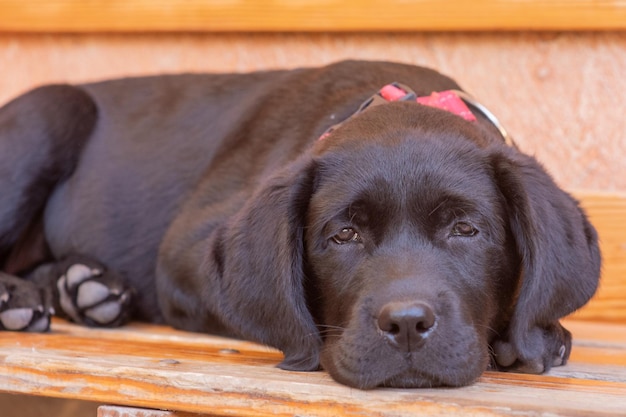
[366,218]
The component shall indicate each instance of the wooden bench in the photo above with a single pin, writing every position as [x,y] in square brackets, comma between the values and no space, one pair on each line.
[140,369]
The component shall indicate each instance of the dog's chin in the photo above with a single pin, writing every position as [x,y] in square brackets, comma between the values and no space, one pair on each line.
[409,376]
[381,366]
[410,380]
[416,379]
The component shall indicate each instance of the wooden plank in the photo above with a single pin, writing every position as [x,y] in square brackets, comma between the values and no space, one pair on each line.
[607,211]
[165,369]
[301,15]
[118,411]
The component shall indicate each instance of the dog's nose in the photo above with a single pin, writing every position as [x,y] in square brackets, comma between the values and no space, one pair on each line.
[406,324]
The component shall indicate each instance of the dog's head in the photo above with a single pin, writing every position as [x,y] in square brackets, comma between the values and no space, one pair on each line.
[403,249]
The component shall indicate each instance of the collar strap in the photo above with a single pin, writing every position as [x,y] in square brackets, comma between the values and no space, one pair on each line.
[454,101]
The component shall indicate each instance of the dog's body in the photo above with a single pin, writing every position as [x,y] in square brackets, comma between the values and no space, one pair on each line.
[396,250]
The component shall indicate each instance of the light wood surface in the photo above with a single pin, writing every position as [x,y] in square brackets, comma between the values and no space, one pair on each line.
[120,411]
[158,368]
[306,15]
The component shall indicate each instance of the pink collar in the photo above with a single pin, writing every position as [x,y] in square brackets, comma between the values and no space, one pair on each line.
[453,101]
[446,100]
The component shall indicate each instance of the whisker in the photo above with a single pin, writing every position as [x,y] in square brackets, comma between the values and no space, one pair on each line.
[329,326]
[437,208]
[330,332]
[488,328]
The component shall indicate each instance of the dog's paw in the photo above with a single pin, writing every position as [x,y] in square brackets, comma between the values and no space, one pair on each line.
[93,296]
[22,306]
[543,349]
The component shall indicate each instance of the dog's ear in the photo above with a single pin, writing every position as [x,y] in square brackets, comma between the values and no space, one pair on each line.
[560,263]
[263,280]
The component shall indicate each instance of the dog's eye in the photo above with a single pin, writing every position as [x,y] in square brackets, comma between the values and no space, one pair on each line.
[346,235]
[463,229]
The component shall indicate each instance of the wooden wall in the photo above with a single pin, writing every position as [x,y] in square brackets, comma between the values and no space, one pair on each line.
[561,94]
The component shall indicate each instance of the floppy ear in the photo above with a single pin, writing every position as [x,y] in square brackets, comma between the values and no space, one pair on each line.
[560,263]
[263,281]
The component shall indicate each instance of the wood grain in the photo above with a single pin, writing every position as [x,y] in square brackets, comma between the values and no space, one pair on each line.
[156,367]
[307,15]
[119,411]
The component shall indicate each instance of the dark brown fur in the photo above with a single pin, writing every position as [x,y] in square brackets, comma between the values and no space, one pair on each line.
[399,251]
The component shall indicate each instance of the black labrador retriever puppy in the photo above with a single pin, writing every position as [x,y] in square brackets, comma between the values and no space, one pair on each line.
[385,232]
